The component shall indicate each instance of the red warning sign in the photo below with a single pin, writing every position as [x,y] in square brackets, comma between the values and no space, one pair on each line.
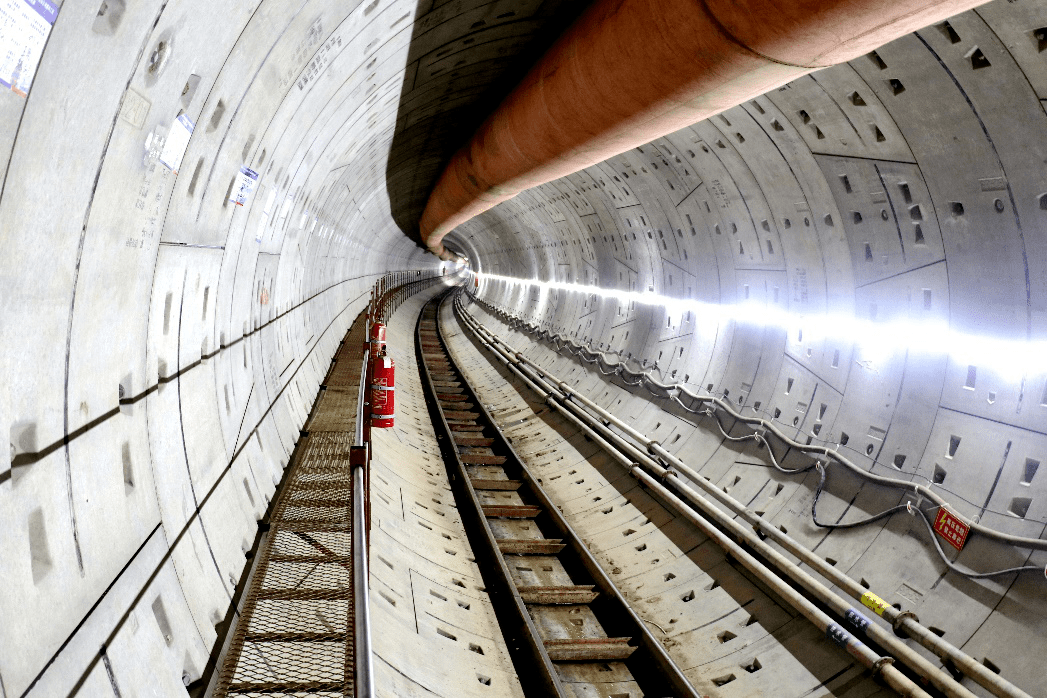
[951,528]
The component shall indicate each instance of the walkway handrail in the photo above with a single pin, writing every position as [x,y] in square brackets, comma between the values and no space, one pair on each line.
[389,291]
[359,457]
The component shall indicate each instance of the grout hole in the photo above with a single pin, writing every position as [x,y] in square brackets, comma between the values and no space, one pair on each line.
[1019,506]
[978,59]
[1031,466]
[918,235]
[949,33]
[39,549]
[1040,37]
[724,680]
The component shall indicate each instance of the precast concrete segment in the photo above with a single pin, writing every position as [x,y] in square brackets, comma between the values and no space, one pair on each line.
[630,71]
[665,422]
[645,457]
[940,677]
[161,344]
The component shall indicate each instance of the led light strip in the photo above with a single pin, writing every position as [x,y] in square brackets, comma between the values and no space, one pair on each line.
[877,341]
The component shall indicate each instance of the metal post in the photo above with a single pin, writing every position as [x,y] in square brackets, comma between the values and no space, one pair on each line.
[364,670]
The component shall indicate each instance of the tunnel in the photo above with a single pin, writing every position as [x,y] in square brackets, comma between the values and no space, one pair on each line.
[824,303]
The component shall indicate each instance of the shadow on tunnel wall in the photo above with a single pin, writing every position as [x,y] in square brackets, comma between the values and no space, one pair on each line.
[464,59]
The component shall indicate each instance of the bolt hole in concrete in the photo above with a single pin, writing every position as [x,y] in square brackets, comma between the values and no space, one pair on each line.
[107,20]
[159,57]
[753,666]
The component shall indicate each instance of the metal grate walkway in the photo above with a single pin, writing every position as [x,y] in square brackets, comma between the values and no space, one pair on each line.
[295,635]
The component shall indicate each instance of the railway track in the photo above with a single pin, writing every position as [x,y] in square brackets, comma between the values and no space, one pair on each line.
[569,630]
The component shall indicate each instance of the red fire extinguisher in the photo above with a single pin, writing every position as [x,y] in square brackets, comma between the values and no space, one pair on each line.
[383,390]
[377,340]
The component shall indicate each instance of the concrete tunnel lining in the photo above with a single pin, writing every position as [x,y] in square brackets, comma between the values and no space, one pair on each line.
[215,322]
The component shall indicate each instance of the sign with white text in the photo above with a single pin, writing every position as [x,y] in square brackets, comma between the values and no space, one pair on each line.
[176,143]
[244,185]
[951,528]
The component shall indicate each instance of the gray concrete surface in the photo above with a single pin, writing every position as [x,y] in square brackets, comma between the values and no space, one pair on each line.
[160,346]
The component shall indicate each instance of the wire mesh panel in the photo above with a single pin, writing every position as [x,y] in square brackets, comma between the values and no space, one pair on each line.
[295,635]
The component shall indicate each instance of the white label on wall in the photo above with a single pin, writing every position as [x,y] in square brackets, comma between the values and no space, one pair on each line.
[245,182]
[24,28]
[176,143]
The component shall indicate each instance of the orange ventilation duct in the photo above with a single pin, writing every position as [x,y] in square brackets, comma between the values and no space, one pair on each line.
[630,71]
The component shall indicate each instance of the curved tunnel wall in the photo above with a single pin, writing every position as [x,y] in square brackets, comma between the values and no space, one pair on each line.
[907,185]
[161,346]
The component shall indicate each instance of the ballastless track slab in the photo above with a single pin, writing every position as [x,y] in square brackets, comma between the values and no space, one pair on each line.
[569,630]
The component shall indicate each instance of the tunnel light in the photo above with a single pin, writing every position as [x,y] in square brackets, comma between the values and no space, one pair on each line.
[876,341]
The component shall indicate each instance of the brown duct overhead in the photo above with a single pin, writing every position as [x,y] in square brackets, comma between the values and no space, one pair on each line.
[630,71]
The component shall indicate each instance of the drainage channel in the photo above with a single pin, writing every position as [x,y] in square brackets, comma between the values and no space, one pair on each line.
[569,630]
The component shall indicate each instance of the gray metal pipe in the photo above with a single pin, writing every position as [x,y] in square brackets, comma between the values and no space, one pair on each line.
[936,675]
[364,668]
[879,666]
[902,622]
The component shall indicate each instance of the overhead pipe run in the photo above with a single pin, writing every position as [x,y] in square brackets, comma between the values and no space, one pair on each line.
[630,71]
